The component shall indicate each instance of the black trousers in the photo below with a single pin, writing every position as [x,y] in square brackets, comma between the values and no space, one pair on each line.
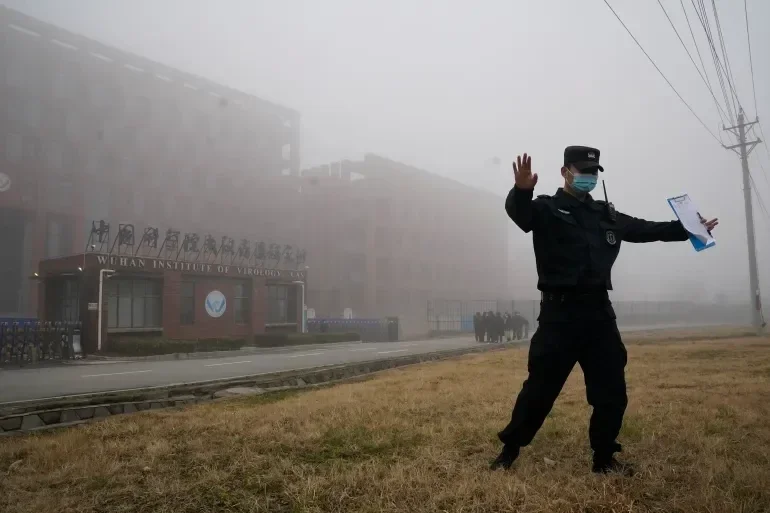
[554,350]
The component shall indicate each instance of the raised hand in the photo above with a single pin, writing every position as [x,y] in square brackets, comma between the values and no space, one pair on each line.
[522,173]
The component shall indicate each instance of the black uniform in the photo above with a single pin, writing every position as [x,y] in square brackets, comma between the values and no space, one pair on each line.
[576,243]
[477,327]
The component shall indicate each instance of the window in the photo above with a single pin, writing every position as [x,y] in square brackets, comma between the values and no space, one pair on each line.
[58,194]
[64,85]
[33,112]
[74,126]
[100,97]
[134,304]
[30,147]
[58,238]
[67,308]
[187,303]
[14,147]
[277,304]
[242,302]
[54,156]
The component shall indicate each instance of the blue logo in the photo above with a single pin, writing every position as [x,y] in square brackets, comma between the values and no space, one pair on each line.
[215,304]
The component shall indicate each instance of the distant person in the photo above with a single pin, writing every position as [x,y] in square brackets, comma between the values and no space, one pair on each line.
[477,322]
[499,327]
[576,241]
[518,325]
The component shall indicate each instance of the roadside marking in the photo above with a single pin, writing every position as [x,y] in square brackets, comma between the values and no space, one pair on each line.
[114,374]
[365,349]
[226,363]
[394,351]
[305,354]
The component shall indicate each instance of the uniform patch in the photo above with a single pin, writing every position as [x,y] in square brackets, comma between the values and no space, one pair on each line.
[611,239]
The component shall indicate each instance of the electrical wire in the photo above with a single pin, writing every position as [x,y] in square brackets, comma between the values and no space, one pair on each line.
[762,167]
[703,65]
[706,24]
[751,61]
[759,197]
[708,85]
[730,78]
[661,73]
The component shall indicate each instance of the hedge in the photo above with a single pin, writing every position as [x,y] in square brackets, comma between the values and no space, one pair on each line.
[147,346]
[156,345]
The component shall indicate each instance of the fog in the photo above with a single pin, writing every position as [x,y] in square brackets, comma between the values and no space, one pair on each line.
[449,85]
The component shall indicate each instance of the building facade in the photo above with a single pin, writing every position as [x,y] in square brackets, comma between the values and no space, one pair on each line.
[184,299]
[386,238]
[88,132]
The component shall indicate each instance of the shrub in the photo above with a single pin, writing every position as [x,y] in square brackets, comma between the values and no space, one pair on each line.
[147,346]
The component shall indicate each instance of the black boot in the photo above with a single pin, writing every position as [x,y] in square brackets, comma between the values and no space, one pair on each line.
[608,464]
[506,458]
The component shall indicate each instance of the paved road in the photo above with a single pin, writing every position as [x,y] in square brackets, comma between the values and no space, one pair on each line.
[89,377]
[41,383]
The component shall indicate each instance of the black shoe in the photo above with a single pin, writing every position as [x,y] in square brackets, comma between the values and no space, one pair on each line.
[505,459]
[608,465]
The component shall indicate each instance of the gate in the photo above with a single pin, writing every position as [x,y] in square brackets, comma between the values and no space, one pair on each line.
[27,342]
[450,315]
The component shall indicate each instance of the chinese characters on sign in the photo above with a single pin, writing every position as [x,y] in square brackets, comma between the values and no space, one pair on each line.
[193,247]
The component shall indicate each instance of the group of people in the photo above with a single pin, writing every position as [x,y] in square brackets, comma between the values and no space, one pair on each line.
[493,327]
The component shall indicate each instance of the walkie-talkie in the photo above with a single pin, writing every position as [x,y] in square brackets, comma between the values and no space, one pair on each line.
[611,212]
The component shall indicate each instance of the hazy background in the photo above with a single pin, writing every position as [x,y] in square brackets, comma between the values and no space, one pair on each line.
[448,85]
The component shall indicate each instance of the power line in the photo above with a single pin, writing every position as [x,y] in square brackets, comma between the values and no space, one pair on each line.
[662,75]
[706,24]
[751,61]
[762,167]
[759,198]
[700,58]
[690,56]
[730,78]
[764,139]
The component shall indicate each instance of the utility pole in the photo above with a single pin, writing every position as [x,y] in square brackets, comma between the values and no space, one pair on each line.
[740,130]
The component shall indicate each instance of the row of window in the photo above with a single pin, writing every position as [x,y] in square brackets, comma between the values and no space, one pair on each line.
[138,303]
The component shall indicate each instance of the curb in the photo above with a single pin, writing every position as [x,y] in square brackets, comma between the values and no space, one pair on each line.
[246,350]
[33,416]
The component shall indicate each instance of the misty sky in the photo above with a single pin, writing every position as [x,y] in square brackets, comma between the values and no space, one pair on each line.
[446,85]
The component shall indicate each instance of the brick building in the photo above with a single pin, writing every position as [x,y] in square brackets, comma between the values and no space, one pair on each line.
[88,132]
[195,299]
[386,237]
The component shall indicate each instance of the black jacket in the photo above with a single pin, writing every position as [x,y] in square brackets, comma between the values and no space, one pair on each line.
[576,242]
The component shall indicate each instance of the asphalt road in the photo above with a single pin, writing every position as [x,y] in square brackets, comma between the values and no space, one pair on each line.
[89,377]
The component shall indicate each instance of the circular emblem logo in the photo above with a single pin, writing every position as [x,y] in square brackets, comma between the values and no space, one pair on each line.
[5,182]
[611,240]
[216,304]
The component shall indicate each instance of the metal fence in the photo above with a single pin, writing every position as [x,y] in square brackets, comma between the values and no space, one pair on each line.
[370,330]
[457,316]
[448,315]
[28,342]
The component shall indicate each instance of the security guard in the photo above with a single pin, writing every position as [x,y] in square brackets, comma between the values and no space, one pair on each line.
[576,241]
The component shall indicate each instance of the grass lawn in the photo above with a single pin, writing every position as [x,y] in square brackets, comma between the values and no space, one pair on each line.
[419,439]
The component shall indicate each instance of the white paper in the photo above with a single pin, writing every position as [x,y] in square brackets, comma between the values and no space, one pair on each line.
[691,219]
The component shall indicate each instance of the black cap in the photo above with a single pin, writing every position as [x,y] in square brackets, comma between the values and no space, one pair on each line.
[582,157]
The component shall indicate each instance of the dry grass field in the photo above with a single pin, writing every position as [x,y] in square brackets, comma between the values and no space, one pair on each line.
[419,439]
